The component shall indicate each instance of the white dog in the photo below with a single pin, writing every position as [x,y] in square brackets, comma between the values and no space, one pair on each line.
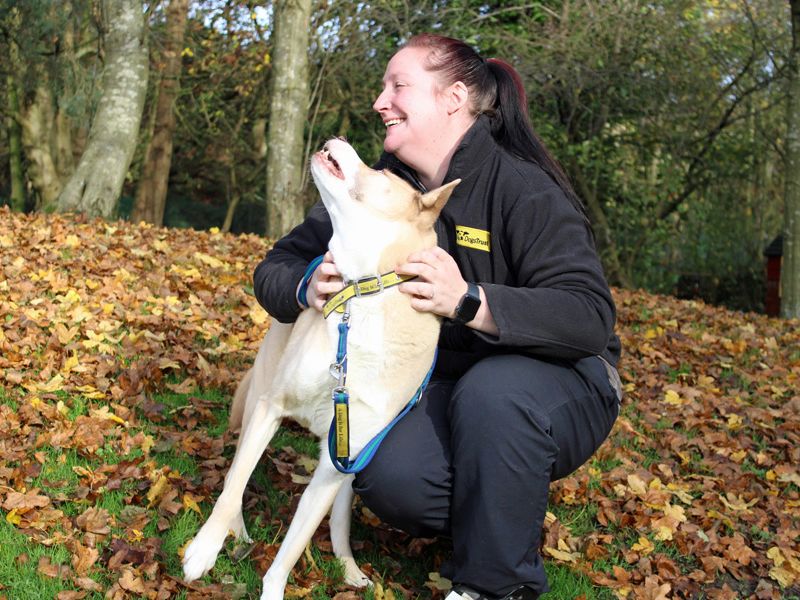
[378,220]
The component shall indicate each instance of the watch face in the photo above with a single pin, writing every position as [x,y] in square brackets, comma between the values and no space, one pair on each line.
[469,305]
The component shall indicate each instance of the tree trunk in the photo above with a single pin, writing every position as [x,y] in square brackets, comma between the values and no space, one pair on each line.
[16,173]
[287,117]
[790,266]
[95,186]
[234,197]
[37,124]
[34,118]
[151,196]
[61,135]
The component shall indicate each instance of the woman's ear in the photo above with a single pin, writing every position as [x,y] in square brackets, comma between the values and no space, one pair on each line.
[457,97]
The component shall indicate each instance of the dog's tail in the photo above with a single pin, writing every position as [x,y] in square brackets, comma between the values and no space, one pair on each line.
[239,397]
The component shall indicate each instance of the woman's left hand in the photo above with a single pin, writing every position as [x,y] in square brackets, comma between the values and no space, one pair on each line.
[439,285]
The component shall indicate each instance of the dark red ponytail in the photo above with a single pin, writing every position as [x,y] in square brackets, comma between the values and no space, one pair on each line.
[496,90]
[517,80]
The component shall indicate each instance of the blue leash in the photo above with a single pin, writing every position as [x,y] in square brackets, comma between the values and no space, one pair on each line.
[343,464]
[301,292]
[339,432]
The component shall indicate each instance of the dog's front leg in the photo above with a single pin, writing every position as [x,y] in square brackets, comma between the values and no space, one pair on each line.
[341,513]
[201,554]
[314,505]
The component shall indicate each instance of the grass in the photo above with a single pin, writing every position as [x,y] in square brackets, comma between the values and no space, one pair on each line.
[579,519]
[19,562]
[66,475]
[565,583]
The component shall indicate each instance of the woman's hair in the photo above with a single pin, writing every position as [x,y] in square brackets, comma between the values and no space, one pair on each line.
[496,90]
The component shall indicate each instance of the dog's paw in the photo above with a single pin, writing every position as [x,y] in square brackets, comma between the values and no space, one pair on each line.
[353,575]
[200,556]
[272,589]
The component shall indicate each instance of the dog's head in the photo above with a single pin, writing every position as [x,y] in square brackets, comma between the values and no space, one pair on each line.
[378,219]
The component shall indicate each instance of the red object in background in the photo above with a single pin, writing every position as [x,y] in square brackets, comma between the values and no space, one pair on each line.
[772,301]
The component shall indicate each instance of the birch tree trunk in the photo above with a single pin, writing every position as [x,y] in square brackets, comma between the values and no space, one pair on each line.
[287,117]
[95,186]
[790,265]
[151,195]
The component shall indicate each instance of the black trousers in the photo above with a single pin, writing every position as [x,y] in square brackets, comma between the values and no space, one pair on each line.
[474,461]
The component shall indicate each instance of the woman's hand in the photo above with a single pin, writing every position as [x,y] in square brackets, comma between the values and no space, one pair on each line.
[439,285]
[325,281]
[439,288]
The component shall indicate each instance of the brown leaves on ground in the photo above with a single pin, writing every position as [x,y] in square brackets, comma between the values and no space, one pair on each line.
[110,313]
[697,491]
[107,311]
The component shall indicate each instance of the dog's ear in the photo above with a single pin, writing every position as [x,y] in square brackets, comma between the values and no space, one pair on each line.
[432,203]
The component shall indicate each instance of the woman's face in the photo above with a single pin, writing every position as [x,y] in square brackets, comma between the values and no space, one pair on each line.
[411,107]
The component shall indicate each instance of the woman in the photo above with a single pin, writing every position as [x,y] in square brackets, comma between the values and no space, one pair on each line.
[525,388]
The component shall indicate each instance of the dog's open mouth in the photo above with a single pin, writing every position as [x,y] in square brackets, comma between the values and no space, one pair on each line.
[330,163]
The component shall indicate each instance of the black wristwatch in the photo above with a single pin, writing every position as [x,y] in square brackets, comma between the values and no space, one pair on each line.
[468,305]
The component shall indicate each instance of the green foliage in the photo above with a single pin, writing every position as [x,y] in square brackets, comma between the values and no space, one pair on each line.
[221,111]
[666,148]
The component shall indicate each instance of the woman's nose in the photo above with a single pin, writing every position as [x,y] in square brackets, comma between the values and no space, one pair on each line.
[381,102]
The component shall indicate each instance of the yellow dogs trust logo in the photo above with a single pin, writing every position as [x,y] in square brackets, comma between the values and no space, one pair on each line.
[473,238]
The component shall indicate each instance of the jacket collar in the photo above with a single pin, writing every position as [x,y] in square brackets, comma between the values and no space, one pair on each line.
[476,145]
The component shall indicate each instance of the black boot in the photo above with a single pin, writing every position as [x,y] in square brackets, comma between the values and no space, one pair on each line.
[521,593]
[461,592]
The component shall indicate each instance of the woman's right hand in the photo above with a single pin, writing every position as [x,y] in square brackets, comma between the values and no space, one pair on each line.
[325,281]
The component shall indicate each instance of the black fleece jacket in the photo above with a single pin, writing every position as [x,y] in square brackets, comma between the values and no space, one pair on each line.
[511,230]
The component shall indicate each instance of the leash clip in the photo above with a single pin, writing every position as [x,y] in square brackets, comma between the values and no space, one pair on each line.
[345,322]
[337,371]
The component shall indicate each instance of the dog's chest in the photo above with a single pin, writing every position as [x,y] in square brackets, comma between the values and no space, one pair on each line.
[363,345]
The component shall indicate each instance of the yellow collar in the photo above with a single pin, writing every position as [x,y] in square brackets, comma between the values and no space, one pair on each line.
[366,286]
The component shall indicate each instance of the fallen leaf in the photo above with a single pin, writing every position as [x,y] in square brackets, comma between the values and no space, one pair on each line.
[131,582]
[95,520]
[30,499]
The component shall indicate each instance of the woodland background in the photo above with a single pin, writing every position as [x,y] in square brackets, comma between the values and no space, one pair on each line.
[668,115]
[121,341]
